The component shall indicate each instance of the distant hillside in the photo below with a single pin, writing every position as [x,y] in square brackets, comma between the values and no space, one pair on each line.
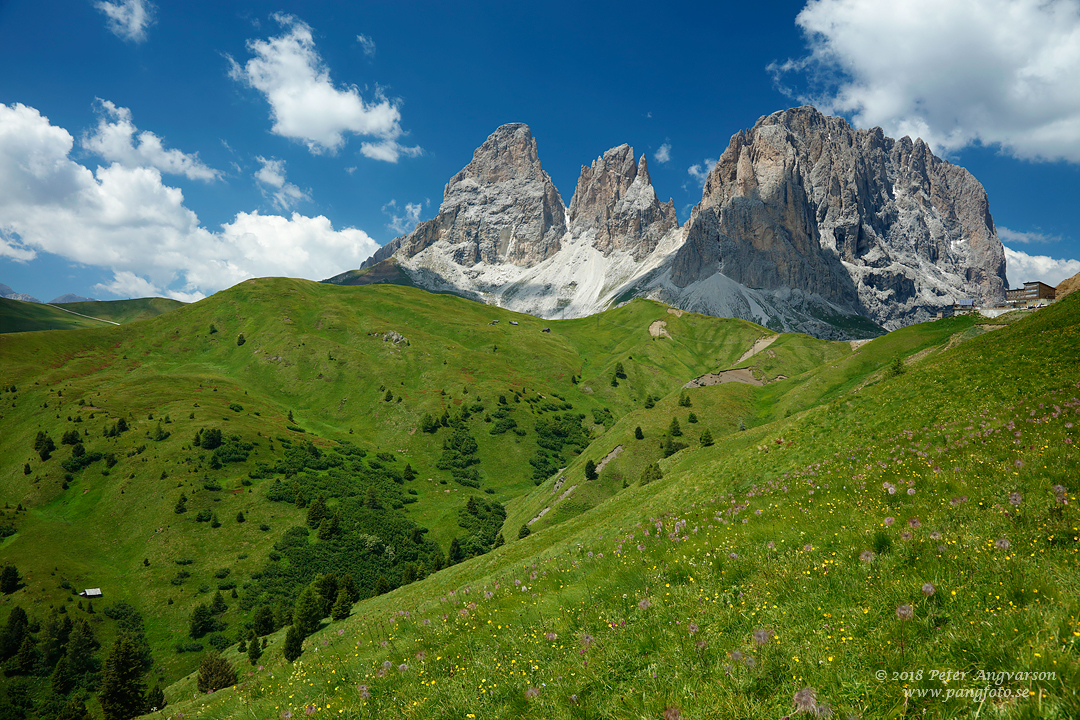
[17,316]
[1067,286]
[7,292]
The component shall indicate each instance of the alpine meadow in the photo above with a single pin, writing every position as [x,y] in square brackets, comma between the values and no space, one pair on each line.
[302,499]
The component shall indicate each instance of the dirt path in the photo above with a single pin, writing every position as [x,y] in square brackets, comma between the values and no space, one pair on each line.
[759,345]
[81,315]
[742,375]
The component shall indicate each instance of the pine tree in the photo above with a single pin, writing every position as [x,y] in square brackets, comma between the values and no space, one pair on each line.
[181,504]
[121,690]
[706,438]
[26,657]
[241,647]
[499,541]
[215,673]
[316,512]
[590,470]
[9,579]
[619,372]
[254,650]
[240,517]
[692,418]
[674,430]
[74,709]
[80,649]
[307,614]
[347,587]
[26,469]
[294,644]
[524,532]
[61,680]
[341,608]
[408,473]
[155,699]
[217,605]
[638,434]
[455,554]
[652,472]
[382,585]
[201,622]
[264,621]
[649,402]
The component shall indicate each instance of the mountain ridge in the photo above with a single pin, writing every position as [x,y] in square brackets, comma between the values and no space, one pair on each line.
[805,224]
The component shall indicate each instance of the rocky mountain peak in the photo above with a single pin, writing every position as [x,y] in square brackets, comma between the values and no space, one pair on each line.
[880,226]
[508,154]
[501,207]
[616,204]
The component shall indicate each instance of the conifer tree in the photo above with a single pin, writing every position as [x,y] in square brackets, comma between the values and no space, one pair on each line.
[706,438]
[121,690]
[674,430]
[9,579]
[638,434]
[215,673]
[316,512]
[155,699]
[347,587]
[294,644]
[74,709]
[382,585]
[590,470]
[342,607]
[524,532]
[264,621]
[254,650]
[307,614]
[61,680]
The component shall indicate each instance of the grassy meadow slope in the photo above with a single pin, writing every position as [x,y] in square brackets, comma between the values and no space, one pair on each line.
[645,589]
[317,364]
[18,316]
[914,534]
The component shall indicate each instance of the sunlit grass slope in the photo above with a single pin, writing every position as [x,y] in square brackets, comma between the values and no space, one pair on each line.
[317,364]
[904,535]
[18,316]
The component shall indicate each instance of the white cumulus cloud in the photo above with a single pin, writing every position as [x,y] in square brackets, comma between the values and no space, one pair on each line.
[305,103]
[271,178]
[116,139]
[956,73]
[367,44]
[127,220]
[1021,268]
[700,173]
[128,19]
[663,155]
[1016,236]
[405,222]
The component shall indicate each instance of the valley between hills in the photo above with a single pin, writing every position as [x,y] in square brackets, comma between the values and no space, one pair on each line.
[416,505]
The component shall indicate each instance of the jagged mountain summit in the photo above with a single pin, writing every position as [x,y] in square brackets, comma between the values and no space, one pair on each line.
[805,224]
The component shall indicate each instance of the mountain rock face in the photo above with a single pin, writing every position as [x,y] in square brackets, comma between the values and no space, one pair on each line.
[615,203]
[864,222]
[503,235]
[501,208]
[7,292]
[804,224]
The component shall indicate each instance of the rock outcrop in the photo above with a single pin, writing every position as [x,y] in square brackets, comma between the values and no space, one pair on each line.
[501,208]
[615,205]
[804,224]
[879,226]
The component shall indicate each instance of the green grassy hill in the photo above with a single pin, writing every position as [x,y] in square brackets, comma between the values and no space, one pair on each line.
[773,560]
[17,316]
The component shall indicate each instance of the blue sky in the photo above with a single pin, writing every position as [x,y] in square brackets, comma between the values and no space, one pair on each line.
[179,148]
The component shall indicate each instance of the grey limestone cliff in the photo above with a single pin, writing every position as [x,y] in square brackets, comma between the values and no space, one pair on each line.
[615,203]
[500,208]
[880,226]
